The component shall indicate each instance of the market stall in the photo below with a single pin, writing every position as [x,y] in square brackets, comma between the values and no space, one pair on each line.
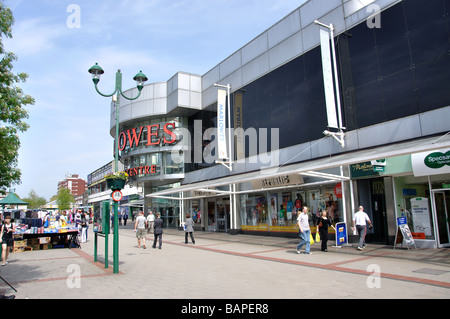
[31,234]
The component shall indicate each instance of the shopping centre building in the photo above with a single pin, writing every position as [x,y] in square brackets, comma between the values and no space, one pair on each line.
[388,153]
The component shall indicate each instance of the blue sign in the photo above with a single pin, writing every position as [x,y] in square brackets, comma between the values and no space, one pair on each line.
[401,221]
[341,234]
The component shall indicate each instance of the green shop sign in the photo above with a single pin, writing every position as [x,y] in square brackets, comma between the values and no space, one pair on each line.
[437,159]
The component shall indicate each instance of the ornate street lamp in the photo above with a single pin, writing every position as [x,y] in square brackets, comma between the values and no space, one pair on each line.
[140,79]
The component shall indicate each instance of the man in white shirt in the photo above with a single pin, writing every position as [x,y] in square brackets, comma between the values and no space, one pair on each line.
[139,228]
[305,231]
[150,222]
[359,219]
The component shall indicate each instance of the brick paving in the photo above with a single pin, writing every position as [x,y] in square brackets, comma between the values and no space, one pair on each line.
[223,266]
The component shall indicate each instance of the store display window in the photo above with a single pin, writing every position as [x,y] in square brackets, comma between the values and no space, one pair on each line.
[278,211]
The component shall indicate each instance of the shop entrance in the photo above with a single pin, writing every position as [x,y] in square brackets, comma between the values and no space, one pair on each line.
[218,215]
[442,209]
[372,198]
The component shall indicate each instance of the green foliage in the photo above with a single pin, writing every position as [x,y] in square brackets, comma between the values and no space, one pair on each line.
[64,199]
[34,200]
[12,101]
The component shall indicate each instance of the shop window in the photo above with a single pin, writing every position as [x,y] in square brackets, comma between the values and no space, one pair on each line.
[278,211]
[414,202]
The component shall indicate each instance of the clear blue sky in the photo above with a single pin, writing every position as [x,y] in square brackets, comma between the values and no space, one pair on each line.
[57,43]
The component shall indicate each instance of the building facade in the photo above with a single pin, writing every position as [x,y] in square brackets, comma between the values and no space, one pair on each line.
[75,184]
[393,70]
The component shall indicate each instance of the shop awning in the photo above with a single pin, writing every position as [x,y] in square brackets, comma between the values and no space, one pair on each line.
[312,167]
[136,203]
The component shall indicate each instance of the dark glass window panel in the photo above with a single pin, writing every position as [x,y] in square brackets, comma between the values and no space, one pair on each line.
[316,120]
[399,96]
[296,86]
[363,55]
[428,33]
[392,43]
[369,107]
[433,83]
[314,76]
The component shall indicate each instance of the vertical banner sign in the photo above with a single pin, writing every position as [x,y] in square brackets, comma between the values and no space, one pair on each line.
[328,78]
[238,126]
[221,126]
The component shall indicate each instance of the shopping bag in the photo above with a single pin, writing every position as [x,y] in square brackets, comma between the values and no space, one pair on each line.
[311,239]
[317,237]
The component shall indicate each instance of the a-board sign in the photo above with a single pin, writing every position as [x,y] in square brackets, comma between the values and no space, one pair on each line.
[341,234]
[404,233]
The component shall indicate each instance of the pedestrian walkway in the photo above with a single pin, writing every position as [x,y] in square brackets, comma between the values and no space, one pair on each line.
[227,266]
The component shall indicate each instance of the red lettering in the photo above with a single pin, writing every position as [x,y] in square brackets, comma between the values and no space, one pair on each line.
[124,139]
[150,134]
[147,170]
[153,169]
[170,132]
[134,139]
[135,171]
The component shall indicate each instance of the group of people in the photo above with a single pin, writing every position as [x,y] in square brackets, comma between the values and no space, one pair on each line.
[155,226]
[152,224]
[360,220]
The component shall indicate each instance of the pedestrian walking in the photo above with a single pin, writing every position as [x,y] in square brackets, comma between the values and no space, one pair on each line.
[7,239]
[158,230]
[189,229]
[84,227]
[323,223]
[360,219]
[150,222]
[125,218]
[139,228]
[305,231]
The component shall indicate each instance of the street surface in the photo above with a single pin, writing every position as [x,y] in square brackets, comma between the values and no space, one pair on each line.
[227,267]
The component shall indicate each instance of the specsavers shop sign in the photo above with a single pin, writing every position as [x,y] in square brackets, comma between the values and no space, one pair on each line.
[431,162]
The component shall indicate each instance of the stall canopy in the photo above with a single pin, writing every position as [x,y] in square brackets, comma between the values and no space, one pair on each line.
[12,199]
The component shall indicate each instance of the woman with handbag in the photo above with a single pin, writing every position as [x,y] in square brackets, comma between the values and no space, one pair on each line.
[323,223]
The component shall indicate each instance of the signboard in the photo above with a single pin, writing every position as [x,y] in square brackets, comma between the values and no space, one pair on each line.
[328,78]
[221,126]
[360,170]
[338,190]
[404,233]
[431,163]
[238,124]
[341,233]
[421,215]
[275,181]
[117,196]
[378,165]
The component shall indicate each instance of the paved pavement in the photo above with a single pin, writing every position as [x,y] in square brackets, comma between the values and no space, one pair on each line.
[223,266]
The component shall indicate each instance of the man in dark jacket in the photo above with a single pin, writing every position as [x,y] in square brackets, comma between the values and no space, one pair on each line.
[158,230]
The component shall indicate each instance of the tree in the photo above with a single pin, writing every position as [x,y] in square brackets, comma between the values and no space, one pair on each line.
[34,200]
[64,199]
[12,102]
